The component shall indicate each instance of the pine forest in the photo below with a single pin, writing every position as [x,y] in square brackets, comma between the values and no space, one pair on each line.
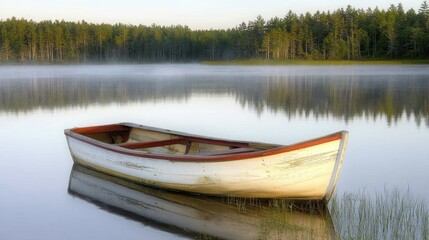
[344,34]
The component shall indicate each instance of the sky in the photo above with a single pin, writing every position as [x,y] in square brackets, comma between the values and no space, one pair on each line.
[196,14]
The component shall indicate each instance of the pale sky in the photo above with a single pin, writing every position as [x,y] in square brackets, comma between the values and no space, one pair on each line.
[197,14]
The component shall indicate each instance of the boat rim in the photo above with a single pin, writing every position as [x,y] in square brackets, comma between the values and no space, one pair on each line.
[341,135]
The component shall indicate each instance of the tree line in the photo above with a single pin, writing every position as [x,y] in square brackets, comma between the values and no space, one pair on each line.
[343,34]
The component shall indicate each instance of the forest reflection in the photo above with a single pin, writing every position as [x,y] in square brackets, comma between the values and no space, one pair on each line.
[347,97]
[342,97]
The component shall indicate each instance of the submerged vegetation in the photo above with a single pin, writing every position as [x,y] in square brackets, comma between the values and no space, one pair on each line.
[344,34]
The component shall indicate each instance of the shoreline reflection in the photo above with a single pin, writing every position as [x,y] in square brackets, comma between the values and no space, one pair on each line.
[194,216]
[343,97]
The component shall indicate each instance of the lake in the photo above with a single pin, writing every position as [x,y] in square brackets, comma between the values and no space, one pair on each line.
[385,108]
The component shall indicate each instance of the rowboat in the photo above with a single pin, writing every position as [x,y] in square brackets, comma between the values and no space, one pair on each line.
[180,161]
[194,216]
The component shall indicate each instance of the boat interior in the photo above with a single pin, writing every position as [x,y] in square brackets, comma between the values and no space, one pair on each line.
[158,141]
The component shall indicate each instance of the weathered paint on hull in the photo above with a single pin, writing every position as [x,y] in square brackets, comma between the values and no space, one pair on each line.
[307,173]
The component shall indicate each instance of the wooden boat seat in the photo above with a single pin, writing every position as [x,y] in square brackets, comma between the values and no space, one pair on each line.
[138,145]
[163,143]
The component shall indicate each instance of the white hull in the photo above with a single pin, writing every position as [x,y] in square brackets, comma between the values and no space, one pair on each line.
[306,173]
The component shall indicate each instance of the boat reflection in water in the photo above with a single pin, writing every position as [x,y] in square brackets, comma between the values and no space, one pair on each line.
[195,215]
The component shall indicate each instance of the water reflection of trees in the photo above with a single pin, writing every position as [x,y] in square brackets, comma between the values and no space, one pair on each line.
[23,96]
[341,97]
[345,97]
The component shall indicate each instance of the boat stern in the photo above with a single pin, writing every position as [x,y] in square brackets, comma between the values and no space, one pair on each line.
[337,166]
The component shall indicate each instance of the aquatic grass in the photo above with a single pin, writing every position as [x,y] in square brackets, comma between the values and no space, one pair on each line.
[239,203]
[292,219]
[425,234]
[280,223]
[281,217]
[392,214]
[275,204]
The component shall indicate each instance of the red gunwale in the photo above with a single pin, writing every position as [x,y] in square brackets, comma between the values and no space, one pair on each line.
[76,133]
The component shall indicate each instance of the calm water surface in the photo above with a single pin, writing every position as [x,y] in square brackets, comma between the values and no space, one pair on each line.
[42,196]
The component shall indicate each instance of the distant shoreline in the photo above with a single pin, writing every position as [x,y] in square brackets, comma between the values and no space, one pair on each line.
[261,62]
[239,62]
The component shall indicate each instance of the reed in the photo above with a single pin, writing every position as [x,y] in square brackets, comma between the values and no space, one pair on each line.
[275,204]
[389,215]
[239,203]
